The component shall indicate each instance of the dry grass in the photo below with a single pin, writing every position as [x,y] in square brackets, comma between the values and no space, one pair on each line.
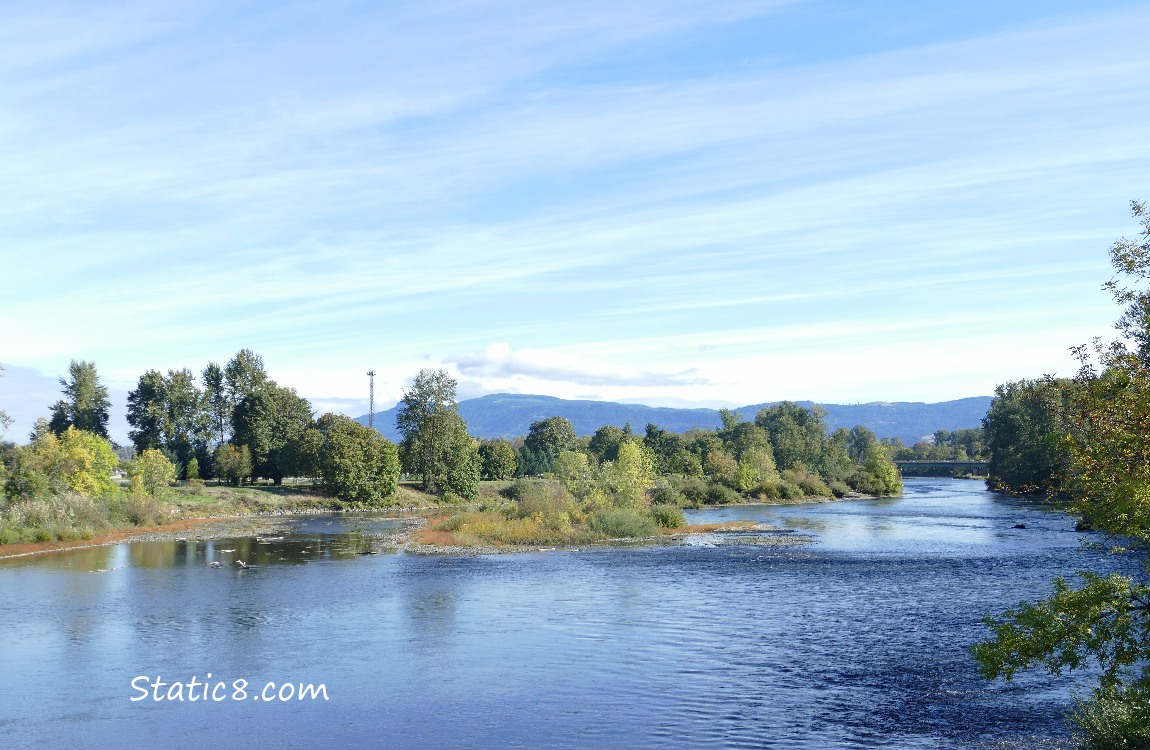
[437,538]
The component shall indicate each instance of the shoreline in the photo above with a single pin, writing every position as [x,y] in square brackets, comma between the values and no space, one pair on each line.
[266,522]
[215,527]
[404,541]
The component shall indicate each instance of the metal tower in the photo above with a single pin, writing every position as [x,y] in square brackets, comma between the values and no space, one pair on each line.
[371,400]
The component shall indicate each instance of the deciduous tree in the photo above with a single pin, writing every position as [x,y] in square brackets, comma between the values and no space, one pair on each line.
[152,471]
[497,459]
[436,446]
[85,404]
[357,464]
[1105,622]
[797,434]
[269,421]
[547,438]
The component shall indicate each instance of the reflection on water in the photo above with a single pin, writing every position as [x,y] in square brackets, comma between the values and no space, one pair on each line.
[859,640]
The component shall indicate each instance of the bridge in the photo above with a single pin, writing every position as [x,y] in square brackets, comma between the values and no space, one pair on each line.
[972,466]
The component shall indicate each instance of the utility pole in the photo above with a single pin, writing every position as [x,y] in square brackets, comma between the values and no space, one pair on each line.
[371,400]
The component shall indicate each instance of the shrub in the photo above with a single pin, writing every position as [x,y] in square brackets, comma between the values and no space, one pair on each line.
[720,494]
[66,516]
[769,490]
[665,494]
[693,489]
[138,509]
[809,484]
[548,502]
[840,489]
[621,523]
[668,516]
[790,490]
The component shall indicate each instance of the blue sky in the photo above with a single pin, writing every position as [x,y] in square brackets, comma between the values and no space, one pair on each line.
[665,202]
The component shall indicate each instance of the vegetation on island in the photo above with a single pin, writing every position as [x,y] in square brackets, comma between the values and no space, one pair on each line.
[1088,437]
[234,425]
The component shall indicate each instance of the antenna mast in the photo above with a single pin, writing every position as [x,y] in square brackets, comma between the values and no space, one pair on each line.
[371,400]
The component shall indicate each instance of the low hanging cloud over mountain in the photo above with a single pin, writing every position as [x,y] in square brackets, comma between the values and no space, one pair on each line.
[498,361]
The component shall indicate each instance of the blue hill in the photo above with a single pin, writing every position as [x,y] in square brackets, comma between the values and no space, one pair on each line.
[510,415]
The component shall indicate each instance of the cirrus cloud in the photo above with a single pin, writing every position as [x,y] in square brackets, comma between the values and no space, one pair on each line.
[499,361]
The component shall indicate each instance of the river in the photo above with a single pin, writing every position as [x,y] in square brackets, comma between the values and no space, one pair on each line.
[858,640]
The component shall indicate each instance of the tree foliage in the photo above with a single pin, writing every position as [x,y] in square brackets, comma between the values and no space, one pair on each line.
[630,475]
[1023,428]
[1103,432]
[270,421]
[357,464]
[497,459]
[233,462]
[85,404]
[76,461]
[796,434]
[547,438]
[151,471]
[436,447]
[166,412]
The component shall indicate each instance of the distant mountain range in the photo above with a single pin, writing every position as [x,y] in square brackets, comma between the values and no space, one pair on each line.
[510,415]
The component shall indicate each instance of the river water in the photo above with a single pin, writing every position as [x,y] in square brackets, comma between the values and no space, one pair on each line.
[858,640]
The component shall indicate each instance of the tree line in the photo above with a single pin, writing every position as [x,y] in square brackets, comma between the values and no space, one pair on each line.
[234,423]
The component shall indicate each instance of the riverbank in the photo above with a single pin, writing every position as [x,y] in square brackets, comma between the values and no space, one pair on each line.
[188,528]
[410,537]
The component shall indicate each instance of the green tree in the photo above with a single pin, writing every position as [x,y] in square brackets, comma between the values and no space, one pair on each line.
[436,447]
[720,466]
[730,418]
[685,463]
[1105,442]
[547,438]
[357,464]
[743,437]
[497,459]
[244,375]
[604,444]
[573,470]
[217,403]
[1022,429]
[881,476]
[233,463]
[76,461]
[859,442]
[152,471]
[85,404]
[629,476]
[1131,261]
[269,422]
[796,434]
[665,445]
[166,412]
[146,411]
[460,461]
[755,469]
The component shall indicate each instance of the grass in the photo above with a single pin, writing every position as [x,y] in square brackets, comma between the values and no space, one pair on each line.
[71,517]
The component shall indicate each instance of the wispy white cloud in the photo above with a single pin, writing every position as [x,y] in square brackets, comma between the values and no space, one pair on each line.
[498,361]
[323,185]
